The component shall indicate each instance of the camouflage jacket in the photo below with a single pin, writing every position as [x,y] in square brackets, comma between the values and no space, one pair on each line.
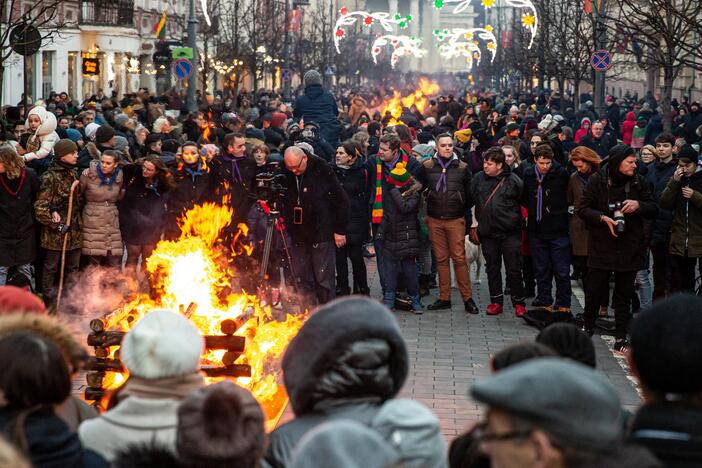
[53,196]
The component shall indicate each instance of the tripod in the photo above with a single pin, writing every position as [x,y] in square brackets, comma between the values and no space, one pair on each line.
[274,223]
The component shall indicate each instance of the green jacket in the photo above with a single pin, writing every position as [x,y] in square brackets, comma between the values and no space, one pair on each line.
[53,196]
[686,232]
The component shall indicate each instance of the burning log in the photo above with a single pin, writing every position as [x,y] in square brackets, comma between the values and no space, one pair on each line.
[229,326]
[95,394]
[228,342]
[102,353]
[102,365]
[234,370]
[95,379]
[230,357]
[190,310]
[106,338]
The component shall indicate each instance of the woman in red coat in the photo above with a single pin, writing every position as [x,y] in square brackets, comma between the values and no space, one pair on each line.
[628,128]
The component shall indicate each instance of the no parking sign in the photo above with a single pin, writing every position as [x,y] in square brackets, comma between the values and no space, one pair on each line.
[182,69]
[601,60]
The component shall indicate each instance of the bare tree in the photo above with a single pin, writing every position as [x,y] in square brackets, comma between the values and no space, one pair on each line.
[664,35]
[43,15]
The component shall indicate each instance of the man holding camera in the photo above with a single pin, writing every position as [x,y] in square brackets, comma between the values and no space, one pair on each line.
[316,215]
[615,203]
[683,196]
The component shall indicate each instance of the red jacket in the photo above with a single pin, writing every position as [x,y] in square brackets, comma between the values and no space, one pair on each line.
[628,128]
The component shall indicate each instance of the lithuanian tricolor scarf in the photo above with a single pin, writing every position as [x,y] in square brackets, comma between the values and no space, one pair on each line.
[377,213]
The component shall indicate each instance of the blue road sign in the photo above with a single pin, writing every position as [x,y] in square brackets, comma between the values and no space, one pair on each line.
[286,75]
[601,60]
[182,69]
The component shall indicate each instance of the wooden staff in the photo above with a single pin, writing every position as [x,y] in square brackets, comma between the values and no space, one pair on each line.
[65,242]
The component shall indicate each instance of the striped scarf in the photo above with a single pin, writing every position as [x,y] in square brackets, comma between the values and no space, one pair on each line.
[377,210]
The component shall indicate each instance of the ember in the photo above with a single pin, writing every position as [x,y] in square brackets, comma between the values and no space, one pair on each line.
[419,98]
[242,339]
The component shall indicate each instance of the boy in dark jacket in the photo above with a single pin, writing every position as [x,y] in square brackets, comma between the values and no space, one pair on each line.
[398,234]
[546,201]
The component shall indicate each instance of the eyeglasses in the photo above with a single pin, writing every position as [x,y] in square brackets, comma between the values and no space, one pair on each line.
[298,165]
[482,435]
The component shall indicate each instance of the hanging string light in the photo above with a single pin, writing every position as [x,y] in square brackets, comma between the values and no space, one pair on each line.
[384,19]
[403,46]
[462,42]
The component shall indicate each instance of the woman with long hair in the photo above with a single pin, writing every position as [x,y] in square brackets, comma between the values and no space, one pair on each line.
[18,188]
[586,162]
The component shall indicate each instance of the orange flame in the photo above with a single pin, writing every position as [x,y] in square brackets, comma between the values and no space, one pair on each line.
[419,98]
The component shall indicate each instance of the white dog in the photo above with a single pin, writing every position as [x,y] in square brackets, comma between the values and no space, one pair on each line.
[474,255]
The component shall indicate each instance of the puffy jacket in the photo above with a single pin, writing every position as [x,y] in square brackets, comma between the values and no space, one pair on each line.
[456,202]
[687,215]
[347,360]
[554,220]
[628,128]
[500,216]
[318,105]
[41,144]
[101,234]
[626,252]
[399,229]
[658,176]
[355,182]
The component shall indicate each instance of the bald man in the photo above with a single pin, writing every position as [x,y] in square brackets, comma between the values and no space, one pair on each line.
[316,214]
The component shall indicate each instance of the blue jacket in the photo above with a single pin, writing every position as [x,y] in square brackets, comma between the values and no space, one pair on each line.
[318,105]
[658,176]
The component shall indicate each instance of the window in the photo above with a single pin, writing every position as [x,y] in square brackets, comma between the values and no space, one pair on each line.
[47,68]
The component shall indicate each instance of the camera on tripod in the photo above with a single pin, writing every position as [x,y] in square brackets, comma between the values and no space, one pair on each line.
[618,216]
[270,185]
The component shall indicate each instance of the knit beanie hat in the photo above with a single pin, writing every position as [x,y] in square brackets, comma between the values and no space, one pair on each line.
[73,134]
[399,176]
[463,136]
[151,138]
[512,126]
[14,299]
[90,130]
[162,344]
[222,422]
[63,147]
[104,134]
[312,77]
[687,154]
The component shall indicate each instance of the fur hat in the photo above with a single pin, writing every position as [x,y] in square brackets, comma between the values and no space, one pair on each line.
[63,147]
[162,344]
[221,422]
[104,134]
[312,77]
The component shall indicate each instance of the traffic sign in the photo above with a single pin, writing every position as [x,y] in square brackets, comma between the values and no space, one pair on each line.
[286,75]
[182,69]
[182,53]
[25,39]
[601,60]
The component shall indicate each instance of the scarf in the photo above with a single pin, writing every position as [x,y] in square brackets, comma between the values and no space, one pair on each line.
[442,178]
[104,181]
[236,173]
[14,193]
[539,194]
[196,172]
[177,387]
[377,208]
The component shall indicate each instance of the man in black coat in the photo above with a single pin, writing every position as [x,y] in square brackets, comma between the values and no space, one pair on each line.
[615,204]
[546,201]
[318,105]
[692,121]
[316,214]
[448,217]
[598,141]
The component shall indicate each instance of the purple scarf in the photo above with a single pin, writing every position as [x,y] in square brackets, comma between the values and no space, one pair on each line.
[442,178]
[539,194]
[236,173]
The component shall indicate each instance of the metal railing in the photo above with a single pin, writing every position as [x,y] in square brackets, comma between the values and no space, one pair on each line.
[107,12]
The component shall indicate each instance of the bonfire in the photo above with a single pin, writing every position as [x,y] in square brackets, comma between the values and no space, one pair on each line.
[419,98]
[191,275]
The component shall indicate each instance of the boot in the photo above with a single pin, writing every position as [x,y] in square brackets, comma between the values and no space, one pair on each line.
[389,300]
[423,285]
[417,306]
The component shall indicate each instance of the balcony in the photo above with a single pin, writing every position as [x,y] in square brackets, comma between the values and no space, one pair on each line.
[107,13]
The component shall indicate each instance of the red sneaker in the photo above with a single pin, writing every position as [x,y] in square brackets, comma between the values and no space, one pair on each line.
[519,310]
[494,309]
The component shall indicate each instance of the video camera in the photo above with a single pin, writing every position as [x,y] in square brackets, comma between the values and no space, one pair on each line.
[618,216]
[270,185]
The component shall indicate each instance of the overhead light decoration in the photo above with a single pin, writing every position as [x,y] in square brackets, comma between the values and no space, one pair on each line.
[203,4]
[459,42]
[402,46]
[384,19]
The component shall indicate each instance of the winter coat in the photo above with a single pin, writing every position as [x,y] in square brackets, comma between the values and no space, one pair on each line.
[50,443]
[578,229]
[628,128]
[582,131]
[638,135]
[344,363]
[554,220]
[500,216]
[41,144]
[355,182]
[87,155]
[190,190]
[686,229]
[456,201]
[319,106]
[17,225]
[672,431]
[626,252]
[54,196]
[414,167]
[142,211]
[101,234]
[325,206]
[689,130]
[601,145]
[398,232]
[658,175]
[133,421]
[240,198]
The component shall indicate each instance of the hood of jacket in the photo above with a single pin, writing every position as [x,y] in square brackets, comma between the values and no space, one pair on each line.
[630,117]
[314,91]
[349,350]
[48,120]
